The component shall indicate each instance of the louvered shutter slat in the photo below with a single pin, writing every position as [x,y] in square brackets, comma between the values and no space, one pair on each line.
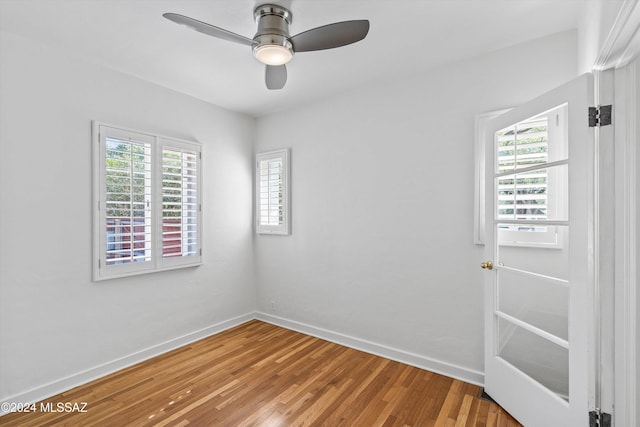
[179,202]
[128,190]
[271,194]
[523,196]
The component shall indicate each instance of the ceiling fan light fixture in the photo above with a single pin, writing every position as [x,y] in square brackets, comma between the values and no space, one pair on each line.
[273,54]
[275,50]
[272,45]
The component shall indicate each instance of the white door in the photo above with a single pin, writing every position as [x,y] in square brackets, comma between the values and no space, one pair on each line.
[539,248]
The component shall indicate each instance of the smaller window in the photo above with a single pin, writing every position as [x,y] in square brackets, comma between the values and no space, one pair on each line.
[272,192]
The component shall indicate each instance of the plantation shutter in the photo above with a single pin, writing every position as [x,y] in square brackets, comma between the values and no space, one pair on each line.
[523,195]
[128,220]
[147,193]
[271,201]
[180,202]
[272,208]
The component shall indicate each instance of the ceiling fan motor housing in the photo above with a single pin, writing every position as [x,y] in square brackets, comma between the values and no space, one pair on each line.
[273,33]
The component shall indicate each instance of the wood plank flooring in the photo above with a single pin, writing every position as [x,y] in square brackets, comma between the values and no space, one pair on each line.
[258,374]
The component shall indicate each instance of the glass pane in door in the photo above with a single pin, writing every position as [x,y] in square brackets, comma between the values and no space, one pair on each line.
[546,303]
[541,359]
[532,262]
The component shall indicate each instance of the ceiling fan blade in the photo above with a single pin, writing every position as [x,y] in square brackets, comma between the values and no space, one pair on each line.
[208,29]
[330,36]
[275,76]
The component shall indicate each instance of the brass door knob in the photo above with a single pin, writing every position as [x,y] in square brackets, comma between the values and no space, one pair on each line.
[487,265]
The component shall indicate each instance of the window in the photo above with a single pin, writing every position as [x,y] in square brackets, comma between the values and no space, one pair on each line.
[531,160]
[272,192]
[534,191]
[147,202]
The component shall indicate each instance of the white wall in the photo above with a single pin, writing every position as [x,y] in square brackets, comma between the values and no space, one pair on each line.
[54,321]
[374,254]
[382,245]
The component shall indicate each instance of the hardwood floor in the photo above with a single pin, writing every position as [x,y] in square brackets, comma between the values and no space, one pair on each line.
[258,374]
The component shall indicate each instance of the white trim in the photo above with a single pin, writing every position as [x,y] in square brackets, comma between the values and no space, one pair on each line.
[479,147]
[626,234]
[622,44]
[64,384]
[620,49]
[408,358]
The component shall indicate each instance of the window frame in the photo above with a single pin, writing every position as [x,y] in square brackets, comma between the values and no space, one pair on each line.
[285,227]
[101,270]
[481,122]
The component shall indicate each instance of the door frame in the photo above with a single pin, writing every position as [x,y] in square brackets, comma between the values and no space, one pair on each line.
[626,359]
[616,81]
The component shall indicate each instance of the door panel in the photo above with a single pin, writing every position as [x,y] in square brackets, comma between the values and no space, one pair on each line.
[539,210]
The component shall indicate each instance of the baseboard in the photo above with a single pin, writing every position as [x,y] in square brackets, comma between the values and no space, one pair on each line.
[427,363]
[64,384]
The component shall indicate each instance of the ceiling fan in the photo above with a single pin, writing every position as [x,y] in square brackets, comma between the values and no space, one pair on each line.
[273,46]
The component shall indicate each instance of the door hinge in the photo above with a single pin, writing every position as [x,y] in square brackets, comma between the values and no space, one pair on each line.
[598,418]
[599,116]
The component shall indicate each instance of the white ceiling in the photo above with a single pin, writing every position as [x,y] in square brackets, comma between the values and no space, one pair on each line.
[406,37]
